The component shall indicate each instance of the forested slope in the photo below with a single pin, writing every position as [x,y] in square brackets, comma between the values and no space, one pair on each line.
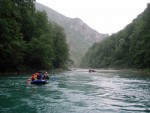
[128,48]
[28,40]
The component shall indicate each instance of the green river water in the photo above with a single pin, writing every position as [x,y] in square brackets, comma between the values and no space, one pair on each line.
[77,91]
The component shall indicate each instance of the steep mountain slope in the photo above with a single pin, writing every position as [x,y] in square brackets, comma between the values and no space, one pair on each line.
[128,48]
[79,35]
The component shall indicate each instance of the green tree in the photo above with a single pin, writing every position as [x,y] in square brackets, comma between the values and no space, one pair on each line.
[60,46]
[28,39]
[26,10]
[40,52]
[11,44]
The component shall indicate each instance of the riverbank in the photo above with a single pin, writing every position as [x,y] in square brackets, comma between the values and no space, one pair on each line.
[30,71]
[112,70]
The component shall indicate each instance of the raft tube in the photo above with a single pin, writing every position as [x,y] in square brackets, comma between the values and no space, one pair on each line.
[39,82]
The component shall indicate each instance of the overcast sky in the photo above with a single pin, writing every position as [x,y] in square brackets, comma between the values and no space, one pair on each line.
[105,16]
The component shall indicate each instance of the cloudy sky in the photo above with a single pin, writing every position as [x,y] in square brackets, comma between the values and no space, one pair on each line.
[105,16]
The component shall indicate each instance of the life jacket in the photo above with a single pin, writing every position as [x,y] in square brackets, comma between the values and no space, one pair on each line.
[39,76]
[32,78]
[35,76]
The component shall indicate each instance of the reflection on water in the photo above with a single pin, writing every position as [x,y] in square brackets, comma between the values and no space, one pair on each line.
[77,91]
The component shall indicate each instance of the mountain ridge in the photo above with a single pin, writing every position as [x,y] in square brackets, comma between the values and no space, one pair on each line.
[79,35]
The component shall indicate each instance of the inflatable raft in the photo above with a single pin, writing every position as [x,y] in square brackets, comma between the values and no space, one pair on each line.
[39,81]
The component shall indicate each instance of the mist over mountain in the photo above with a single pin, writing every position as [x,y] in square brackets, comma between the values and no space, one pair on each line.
[79,35]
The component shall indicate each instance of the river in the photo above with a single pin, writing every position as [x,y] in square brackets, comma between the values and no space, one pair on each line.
[77,91]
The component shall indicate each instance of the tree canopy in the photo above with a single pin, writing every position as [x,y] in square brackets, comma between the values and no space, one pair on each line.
[28,39]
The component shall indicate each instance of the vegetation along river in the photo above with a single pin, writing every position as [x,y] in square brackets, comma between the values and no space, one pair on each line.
[77,91]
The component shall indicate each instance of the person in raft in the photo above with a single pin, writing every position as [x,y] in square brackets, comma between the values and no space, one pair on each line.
[46,77]
[33,77]
[39,75]
[36,76]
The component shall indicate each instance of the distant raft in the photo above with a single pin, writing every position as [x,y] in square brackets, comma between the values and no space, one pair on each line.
[92,70]
[39,81]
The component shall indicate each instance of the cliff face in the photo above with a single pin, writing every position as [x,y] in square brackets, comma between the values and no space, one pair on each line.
[79,35]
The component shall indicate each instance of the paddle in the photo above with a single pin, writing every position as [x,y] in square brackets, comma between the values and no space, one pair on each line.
[28,80]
